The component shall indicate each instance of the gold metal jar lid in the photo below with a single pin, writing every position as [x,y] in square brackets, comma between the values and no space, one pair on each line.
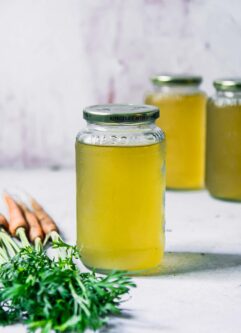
[232,84]
[120,113]
[176,80]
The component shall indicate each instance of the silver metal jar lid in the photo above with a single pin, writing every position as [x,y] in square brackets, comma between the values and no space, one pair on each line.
[232,84]
[176,80]
[120,113]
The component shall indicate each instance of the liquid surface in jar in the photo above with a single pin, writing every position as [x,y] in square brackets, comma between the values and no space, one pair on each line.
[182,117]
[120,209]
[223,171]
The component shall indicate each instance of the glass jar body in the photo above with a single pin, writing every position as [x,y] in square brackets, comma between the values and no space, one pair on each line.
[120,197]
[223,161]
[182,117]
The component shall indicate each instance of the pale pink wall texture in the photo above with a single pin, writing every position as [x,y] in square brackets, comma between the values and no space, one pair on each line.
[56,56]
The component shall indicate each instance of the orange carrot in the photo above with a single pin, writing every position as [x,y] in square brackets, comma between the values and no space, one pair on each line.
[35,229]
[46,222]
[3,222]
[16,217]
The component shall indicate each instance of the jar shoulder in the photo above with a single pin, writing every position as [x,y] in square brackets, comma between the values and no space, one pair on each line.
[223,101]
[121,136]
[174,93]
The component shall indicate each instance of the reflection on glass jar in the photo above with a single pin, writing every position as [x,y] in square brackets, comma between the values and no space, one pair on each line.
[120,166]
[223,163]
[182,117]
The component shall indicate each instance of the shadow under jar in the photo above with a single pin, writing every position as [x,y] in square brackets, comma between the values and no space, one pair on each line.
[120,167]
[223,161]
[183,109]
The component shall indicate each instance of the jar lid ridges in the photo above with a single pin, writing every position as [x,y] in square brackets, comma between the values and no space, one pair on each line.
[228,84]
[176,80]
[120,113]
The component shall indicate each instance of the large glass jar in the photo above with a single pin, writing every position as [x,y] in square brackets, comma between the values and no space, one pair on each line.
[223,161]
[182,118]
[120,166]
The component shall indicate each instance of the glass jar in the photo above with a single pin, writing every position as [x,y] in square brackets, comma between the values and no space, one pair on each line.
[223,162]
[182,118]
[120,166]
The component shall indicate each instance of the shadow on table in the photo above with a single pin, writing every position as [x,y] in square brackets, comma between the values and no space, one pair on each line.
[126,318]
[176,263]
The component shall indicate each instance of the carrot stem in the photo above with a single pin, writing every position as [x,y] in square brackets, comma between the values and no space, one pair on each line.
[2,260]
[38,244]
[3,255]
[21,233]
[55,236]
[9,244]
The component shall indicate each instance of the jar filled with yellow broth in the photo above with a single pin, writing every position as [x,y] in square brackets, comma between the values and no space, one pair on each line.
[223,161]
[120,167]
[182,118]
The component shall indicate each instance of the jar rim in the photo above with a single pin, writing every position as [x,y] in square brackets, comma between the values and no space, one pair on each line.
[176,80]
[120,113]
[227,84]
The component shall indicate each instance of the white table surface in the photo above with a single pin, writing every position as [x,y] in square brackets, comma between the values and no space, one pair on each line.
[199,288]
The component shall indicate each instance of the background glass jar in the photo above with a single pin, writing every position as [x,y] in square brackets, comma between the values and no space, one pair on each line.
[120,166]
[182,118]
[223,162]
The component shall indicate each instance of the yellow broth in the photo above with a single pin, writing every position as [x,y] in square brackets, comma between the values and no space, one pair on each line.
[120,206]
[182,117]
[223,171]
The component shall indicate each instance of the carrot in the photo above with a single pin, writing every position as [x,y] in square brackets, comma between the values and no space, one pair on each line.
[35,229]
[47,223]
[3,222]
[16,217]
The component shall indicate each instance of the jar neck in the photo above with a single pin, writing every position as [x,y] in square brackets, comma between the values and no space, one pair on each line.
[178,89]
[229,94]
[120,126]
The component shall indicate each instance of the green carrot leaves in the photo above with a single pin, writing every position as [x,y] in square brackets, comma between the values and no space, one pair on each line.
[52,294]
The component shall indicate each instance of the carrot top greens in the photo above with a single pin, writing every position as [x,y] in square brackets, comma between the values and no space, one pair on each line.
[54,295]
[51,293]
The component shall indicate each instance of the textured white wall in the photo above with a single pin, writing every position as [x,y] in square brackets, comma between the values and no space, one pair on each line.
[58,55]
